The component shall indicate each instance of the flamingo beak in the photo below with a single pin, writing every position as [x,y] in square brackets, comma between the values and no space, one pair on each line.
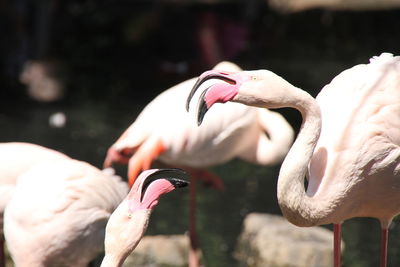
[208,75]
[176,177]
[153,183]
[224,91]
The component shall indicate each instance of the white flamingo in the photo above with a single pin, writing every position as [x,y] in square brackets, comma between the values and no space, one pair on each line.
[349,143]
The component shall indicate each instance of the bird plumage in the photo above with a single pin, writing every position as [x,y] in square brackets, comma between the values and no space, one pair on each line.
[58,213]
[15,159]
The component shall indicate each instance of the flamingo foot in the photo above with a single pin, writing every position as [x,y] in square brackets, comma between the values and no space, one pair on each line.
[384,247]
[337,243]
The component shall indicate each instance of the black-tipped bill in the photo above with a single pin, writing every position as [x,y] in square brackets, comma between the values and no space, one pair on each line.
[178,183]
[176,177]
[203,78]
[201,108]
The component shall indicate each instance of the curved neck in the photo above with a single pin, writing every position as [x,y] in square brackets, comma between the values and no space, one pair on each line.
[296,206]
[275,92]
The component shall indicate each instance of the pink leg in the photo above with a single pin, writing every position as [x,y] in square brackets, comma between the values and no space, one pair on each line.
[384,246]
[194,242]
[337,242]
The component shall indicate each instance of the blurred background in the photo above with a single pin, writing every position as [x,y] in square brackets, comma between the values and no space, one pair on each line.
[75,74]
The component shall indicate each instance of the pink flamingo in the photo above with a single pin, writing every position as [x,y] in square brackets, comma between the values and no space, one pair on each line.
[164,131]
[58,213]
[16,158]
[348,145]
[129,221]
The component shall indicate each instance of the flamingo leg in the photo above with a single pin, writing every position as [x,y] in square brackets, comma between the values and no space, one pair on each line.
[2,255]
[194,258]
[337,243]
[384,247]
[213,181]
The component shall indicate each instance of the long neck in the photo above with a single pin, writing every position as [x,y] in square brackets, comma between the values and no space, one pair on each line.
[296,206]
[276,92]
[123,234]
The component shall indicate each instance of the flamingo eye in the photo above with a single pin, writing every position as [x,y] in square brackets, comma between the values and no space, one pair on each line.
[254,78]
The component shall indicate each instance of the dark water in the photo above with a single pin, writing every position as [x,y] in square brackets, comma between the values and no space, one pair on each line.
[119,56]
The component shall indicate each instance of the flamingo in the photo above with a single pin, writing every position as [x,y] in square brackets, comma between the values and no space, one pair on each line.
[129,221]
[58,213]
[15,159]
[348,145]
[167,133]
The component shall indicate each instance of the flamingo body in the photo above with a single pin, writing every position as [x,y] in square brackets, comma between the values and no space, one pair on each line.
[15,159]
[164,121]
[58,213]
[357,156]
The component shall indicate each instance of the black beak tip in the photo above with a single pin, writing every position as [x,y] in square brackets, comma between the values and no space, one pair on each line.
[201,108]
[179,183]
[192,92]
[187,104]
[200,116]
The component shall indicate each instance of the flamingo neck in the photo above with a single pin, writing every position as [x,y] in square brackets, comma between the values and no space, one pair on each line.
[275,92]
[124,234]
[112,261]
[296,205]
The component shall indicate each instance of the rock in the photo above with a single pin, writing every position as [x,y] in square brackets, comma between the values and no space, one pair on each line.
[270,240]
[160,250]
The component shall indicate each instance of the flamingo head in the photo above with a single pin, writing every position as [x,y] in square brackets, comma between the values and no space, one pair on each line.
[128,223]
[258,88]
[221,92]
[153,183]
